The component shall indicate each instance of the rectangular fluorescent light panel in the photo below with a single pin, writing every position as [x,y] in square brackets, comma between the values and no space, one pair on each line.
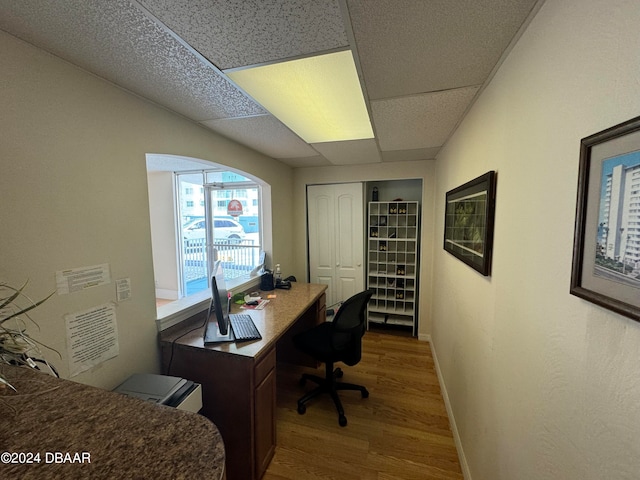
[319,98]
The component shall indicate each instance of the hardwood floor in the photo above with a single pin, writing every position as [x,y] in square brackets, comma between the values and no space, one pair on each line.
[400,432]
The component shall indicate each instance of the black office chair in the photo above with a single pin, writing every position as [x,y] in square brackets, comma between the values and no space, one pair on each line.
[336,341]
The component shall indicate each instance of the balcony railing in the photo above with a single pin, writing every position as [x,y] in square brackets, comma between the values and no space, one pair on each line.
[238,258]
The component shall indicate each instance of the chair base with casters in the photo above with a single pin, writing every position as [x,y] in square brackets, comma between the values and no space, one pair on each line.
[329,385]
[337,341]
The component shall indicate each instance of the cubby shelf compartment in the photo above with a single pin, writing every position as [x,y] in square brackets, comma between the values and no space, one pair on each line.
[392,263]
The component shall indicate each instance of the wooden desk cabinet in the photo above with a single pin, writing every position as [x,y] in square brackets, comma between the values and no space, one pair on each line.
[264,428]
[239,380]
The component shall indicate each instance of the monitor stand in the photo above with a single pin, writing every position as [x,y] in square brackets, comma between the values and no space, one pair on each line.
[212,334]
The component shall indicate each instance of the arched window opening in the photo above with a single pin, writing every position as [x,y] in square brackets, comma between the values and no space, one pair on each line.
[199,213]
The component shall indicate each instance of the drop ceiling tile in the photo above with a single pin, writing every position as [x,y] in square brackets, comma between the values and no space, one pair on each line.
[349,152]
[117,41]
[419,121]
[409,46]
[410,155]
[233,33]
[263,133]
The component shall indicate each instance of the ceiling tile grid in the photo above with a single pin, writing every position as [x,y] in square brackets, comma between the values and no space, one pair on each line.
[408,46]
[420,121]
[118,42]
[235,33]
[421,63]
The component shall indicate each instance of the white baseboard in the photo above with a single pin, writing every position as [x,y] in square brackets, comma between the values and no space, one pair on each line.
[452,420]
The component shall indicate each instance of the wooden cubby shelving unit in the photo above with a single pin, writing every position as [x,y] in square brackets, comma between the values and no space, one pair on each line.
[393,263]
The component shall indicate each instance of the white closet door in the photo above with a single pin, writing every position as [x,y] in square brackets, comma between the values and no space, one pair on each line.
[336,238]
[321,231]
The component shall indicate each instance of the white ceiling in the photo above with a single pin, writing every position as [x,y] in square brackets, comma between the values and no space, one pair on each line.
[421,62]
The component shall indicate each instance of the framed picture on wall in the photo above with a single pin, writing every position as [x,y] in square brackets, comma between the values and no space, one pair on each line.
[606,248]
[468,222]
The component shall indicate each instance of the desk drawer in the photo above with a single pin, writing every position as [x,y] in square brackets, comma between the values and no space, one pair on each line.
[264,366]
[322,302]
[265,412]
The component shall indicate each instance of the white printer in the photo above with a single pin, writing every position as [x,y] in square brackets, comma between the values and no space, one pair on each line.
[163,389]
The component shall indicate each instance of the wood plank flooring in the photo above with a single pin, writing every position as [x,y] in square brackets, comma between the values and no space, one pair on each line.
[400,432]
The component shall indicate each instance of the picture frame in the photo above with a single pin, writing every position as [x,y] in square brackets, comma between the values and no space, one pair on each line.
[469,222]
[606,249]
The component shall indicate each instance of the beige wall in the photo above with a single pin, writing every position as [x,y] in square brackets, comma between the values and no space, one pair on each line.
[73,187]
[423,170]
[542,385]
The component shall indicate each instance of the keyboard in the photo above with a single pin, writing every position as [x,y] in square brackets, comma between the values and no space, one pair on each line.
[243,327]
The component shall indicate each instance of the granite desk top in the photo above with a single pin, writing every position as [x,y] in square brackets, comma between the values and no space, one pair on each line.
[70,431]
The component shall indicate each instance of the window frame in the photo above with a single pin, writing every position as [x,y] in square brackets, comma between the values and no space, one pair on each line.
[230,187]
[161,170]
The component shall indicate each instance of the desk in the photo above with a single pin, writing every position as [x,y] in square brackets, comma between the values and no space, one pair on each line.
[124,437]
[238,380]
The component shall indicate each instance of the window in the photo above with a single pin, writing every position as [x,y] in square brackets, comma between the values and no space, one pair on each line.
[214,232]
[179,263]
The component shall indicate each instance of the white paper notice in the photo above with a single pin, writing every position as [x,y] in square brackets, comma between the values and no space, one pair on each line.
[92,337]
[123,289]
[76,279]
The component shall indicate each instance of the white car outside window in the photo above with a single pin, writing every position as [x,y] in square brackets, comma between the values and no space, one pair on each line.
[223,229]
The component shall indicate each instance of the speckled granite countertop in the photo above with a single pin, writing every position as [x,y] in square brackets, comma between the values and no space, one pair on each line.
[84,432]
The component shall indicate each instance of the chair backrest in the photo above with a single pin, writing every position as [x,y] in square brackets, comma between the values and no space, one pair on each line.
[349,327]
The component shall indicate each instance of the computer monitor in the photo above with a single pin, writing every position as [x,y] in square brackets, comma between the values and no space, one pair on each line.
[217,329]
